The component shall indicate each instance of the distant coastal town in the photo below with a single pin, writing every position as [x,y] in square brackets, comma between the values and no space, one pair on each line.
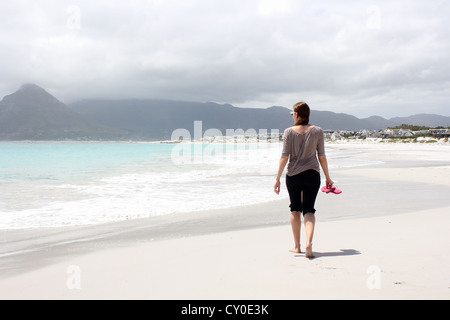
[404,133]
[400,134]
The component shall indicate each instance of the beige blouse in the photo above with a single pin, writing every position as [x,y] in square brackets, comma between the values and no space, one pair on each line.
[302,149]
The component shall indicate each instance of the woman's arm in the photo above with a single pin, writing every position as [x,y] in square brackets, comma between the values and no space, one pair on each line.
[324,164]
[283,162]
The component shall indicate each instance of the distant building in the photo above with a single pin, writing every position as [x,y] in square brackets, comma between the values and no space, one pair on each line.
[443,133]
[384,133]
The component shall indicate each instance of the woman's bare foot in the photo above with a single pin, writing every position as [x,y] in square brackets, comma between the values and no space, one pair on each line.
[296,250]
[309,253]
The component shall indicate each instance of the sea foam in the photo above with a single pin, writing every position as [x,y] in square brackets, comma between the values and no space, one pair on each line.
[140,181]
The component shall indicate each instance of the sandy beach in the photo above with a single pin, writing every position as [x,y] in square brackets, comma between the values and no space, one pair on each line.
[385,237]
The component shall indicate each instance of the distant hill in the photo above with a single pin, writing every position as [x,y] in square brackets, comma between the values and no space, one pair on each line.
[428,120]
[341,121]
[31,113]
[377,122]
[159,118]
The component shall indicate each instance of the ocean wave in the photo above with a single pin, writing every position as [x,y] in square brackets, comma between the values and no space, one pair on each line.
[222,177]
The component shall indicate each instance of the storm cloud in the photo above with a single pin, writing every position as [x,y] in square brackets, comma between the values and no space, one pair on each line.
[387,58]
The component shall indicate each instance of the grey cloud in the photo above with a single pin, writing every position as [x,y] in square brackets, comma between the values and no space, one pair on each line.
[356,57]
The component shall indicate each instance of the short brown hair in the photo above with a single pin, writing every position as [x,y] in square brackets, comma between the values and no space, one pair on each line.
[303,111]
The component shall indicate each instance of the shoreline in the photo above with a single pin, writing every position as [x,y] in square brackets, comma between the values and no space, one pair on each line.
[264,139]
[352,262]
[390,191]
[20,250]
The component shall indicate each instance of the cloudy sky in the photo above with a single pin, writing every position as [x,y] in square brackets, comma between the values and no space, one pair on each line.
[387,58]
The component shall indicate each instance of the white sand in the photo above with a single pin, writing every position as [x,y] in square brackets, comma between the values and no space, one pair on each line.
[395,257]
[401,256]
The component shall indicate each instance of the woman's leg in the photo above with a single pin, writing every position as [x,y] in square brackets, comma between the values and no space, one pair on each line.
[309,199]
[295,194]
[296,224]
[310,222]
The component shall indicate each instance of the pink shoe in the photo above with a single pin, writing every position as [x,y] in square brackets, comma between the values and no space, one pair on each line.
[333,189]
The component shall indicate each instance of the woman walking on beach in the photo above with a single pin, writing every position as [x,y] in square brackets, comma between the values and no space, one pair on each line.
[303,146]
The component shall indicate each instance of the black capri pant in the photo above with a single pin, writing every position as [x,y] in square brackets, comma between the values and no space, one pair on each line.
[303,189]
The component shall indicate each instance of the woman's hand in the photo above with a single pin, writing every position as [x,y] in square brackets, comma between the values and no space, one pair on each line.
[283,162]
[324,164]
[329,182]
[277,187]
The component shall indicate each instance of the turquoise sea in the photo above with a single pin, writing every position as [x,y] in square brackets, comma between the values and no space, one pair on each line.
[53,184]
[48,184]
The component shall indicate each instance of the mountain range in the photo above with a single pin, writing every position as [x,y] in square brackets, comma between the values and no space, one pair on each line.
[31,113]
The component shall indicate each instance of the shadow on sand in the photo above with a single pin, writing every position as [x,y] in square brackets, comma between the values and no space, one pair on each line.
[342,252]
